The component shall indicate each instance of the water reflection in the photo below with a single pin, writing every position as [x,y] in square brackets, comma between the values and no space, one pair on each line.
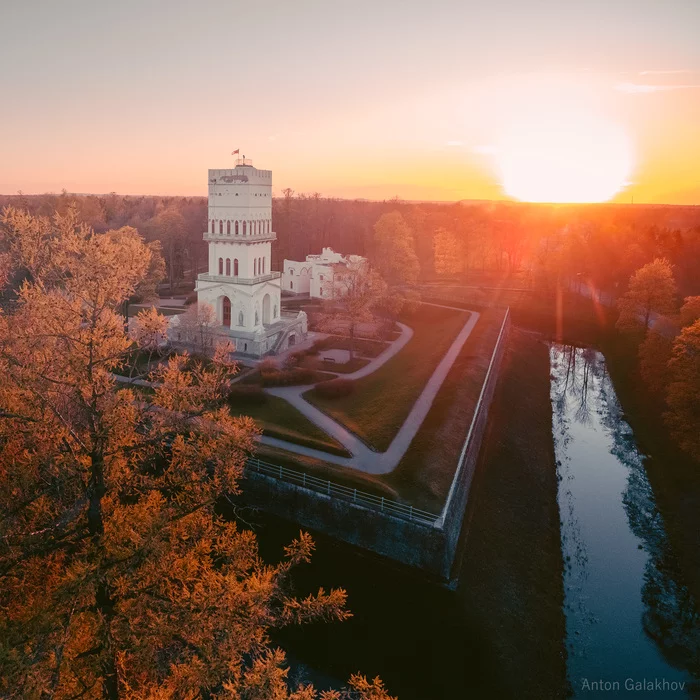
[627,614]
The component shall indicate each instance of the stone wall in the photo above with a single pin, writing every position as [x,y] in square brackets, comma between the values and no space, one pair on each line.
[432,548]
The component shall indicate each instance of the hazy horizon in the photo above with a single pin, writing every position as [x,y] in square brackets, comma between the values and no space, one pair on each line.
[435,102]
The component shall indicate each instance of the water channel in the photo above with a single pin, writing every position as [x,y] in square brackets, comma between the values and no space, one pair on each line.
[632,627]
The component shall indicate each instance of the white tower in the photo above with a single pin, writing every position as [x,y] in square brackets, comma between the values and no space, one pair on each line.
[240,285]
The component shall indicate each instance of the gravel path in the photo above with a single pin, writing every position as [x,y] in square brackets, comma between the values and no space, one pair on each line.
[363,457]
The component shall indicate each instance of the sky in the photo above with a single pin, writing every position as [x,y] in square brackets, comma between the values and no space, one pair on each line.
[359,99]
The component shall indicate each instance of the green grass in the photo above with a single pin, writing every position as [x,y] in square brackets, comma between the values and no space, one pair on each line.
[254,378]
[381,401]
[280,419]
[347,476]
[424,475]
[339,367]
[136,364]
[362,346]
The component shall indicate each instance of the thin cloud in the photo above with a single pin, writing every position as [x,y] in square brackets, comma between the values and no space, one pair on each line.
[676,71]
[455,144]
[645,89]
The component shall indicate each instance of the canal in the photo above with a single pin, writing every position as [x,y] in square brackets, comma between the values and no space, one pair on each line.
[631,624]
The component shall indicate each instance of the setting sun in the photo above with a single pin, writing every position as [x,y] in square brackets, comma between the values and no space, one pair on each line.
[564,156]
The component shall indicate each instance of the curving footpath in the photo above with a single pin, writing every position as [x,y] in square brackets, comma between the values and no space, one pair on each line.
[363,457]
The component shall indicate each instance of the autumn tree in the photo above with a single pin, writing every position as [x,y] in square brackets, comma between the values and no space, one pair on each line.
[147,289]
[690,311]
[117,576]
[356,293]
[198,328]
[169,227]
[395,253]
[683,398]
[448,253]
[655,353]
[652,290]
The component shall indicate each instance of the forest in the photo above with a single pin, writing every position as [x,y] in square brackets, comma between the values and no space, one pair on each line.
[533,244]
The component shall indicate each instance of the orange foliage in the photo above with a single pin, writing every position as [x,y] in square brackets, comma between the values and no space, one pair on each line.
[117,578]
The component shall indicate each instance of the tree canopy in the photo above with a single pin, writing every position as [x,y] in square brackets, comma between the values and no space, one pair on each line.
[395,253]
[117,576]
[683,415]
[652,289]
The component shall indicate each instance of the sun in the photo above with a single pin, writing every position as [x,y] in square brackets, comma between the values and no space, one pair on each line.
[563,155]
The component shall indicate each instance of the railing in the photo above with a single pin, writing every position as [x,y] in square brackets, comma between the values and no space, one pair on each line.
[231,237]
[477,416]
[344,493]
[239,280]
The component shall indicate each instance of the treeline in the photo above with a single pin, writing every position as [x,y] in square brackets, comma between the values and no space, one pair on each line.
[537,245]
[177,222]
[666,333]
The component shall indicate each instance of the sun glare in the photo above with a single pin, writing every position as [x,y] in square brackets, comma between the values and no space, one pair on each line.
[562,156]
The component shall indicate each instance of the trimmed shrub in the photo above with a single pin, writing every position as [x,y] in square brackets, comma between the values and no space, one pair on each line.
[242,395]
[287,377]
[294,359]
[335,388]
[268,365]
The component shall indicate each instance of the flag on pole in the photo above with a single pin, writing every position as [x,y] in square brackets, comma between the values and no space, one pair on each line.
[238,150]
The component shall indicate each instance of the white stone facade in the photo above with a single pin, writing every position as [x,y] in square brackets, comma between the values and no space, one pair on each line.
[318,275]
[239,284]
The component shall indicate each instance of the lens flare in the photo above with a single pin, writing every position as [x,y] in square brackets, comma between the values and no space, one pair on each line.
[561,156]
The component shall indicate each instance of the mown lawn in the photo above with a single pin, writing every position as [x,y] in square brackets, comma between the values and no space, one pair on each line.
[381,401]
[424,475]
[280,419]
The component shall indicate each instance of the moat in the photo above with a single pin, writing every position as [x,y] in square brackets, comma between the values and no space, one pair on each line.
[631,624]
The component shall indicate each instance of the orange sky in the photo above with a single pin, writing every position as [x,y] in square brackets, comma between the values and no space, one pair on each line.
[349,99]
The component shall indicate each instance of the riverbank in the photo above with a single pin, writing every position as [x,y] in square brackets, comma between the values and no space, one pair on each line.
[674,477]
[512,567]
[501,633]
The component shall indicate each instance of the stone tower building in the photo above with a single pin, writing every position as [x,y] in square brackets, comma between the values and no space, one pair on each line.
[239,284]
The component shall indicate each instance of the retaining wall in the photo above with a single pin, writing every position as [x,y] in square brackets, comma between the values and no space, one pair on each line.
[430,547]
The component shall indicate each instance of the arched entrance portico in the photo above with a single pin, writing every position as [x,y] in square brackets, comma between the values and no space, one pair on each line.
[266,309]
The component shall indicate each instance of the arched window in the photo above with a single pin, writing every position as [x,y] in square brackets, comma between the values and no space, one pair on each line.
[255,266]
[291,270]
[221,228]
[228,267]
[245,228]
[263,266]
[228,228]
[291,284]
[221,266]
[227,312]
[212,225]
[235,268]
[236,227]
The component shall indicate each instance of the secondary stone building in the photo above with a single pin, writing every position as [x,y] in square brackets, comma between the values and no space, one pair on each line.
[319,276]
[239,284]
